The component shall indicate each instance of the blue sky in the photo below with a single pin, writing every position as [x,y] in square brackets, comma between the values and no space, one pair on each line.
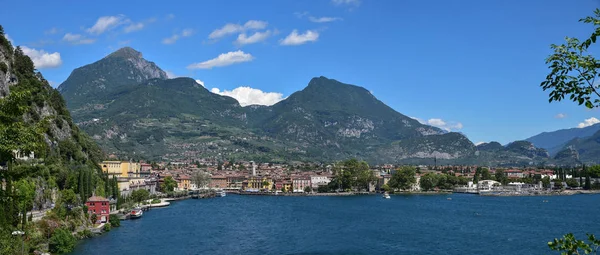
[470,66]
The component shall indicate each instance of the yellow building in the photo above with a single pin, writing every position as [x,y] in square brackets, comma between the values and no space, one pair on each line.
[183,182]
[260,183]
[121,168]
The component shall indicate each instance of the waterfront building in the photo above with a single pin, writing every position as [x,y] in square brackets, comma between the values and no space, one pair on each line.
[235,181]
[514,173]
[319,180]
[218,182]
[121,168]
[183,182]
[300,183]
[129,184]
[260,183]
[99,206]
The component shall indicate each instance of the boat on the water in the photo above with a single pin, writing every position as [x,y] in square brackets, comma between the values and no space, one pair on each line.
[221,193]
[136,213]
[386,195]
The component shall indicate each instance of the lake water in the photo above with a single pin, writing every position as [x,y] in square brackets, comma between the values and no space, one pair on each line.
[405,224]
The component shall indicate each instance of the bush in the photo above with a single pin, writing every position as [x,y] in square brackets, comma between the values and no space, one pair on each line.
[86,233]
[106,227]
[155,201]
[114,220]
[62,241]
[3,67]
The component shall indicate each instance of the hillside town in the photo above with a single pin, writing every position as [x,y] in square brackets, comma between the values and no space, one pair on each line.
[251,177]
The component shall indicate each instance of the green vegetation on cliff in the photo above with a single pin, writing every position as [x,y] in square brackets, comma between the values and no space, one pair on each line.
[34,121]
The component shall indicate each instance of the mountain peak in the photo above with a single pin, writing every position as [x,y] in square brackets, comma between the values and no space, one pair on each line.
[125,52]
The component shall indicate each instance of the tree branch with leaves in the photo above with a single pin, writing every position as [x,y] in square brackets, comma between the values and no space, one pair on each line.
[574,71]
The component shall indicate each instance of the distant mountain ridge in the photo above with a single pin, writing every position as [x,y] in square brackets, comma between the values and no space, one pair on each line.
[139,112]
[556,140]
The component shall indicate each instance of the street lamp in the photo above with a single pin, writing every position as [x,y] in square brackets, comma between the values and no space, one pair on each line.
[20,233]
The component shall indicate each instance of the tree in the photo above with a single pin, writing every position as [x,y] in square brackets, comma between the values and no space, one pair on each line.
[62,241]
[568,245]
[308,189]
[546,182]
[140,195]
[428,181]
[385,188]
[114,220]
[168,184]
[500,177]
[201,179]
[25,194]
[94,218]
[573,71]
[485,174]
[572,183]
[403,178]
[353,174]
[476,176]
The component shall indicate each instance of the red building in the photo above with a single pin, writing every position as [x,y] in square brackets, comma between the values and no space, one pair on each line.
[99,206]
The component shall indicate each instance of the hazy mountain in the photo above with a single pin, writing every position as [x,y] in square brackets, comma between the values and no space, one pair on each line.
[555,141]
[137,111]
[587,148]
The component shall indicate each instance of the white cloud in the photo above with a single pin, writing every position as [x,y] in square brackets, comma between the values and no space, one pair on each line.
[297,39]
[300,14]
[231,28]
[448,126]
[9,39]
[255,24]
[170,40]
[187,32]
[418,119]
[134,27]
[105,23]
[588,122]
[170,16]
[225,59]
[77,39]
[42,59]
[346,2]
[445,125]
[184,33]
[560,116]
[323,19]
[250,96]
[243,39]
[171,75]
[51,31]
[200,82]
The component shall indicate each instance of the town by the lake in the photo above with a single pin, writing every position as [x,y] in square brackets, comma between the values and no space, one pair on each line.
[329,127]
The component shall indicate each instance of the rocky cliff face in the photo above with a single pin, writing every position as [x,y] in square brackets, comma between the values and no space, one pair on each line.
[7,77]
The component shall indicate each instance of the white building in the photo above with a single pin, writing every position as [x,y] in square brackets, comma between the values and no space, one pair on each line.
[319,180]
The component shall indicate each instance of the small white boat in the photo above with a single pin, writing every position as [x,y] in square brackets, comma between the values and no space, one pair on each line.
[386,195]
[221,193]
[136,213]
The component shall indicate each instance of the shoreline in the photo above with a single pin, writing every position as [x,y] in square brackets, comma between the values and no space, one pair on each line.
[540,194]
